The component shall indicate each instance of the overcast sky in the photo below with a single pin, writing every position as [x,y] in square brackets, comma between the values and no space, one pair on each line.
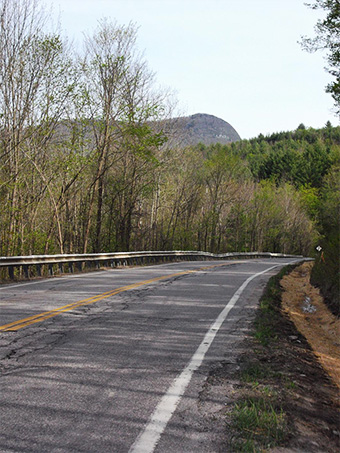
[236,59]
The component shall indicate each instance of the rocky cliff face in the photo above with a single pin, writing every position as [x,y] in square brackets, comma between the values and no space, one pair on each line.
[203,128]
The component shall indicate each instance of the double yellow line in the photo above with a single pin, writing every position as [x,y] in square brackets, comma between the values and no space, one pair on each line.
[16,325]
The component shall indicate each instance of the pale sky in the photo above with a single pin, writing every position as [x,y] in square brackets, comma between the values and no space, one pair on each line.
[236,59]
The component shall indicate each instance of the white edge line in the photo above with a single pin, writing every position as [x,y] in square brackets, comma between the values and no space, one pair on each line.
[149,437]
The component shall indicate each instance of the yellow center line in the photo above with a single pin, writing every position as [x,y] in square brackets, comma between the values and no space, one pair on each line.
[19,324]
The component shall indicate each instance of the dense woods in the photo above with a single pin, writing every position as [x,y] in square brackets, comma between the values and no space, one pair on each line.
[87,166]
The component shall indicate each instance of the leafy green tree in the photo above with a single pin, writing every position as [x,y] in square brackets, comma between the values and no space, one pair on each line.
[328,38]
[310,199]
[312,165]
[326,271]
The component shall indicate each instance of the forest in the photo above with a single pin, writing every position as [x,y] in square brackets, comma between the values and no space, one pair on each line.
[87,164]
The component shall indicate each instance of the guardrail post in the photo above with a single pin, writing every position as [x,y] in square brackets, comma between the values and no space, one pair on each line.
[79,266]
[70,267]
[50,269]
[25,269]
[38,267]
[61,268]
[11,272]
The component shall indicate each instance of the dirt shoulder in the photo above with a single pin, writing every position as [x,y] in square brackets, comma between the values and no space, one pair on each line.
[306,308]
[281,380]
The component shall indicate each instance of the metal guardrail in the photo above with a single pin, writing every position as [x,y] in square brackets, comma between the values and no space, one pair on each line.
[116,260]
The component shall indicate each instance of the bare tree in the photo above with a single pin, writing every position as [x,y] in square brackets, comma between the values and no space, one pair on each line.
[108,54]
[120,105]
[35,84]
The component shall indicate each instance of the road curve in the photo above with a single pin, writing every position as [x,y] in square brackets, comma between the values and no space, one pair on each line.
[115,361]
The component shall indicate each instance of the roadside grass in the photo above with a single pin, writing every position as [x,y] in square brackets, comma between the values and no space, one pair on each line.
[260,424]
[257,419]
[268,316]
[254,372]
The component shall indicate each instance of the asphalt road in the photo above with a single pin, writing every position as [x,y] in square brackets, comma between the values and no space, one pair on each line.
[123,365]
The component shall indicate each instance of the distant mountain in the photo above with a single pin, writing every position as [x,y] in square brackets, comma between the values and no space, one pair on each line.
[181,131]
[203,128]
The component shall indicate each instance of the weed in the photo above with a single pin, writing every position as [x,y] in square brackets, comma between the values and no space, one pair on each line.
[290,385]
[255,372]
[268,391]
[258,421]
[264,334]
